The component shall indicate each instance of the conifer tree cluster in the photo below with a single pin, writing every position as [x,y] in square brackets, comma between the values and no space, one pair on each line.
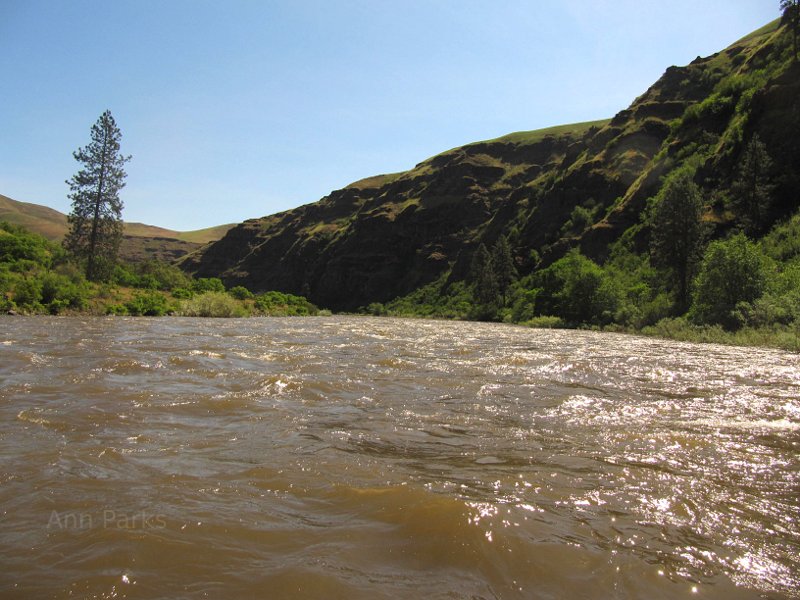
[492,275]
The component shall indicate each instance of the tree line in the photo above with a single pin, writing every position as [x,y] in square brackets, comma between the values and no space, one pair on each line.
[730,282]
[40,277]
[748,279]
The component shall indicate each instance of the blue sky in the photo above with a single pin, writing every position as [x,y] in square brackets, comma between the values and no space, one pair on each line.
[240,109]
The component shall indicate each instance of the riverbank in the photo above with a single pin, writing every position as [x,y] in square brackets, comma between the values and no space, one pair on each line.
[37,277]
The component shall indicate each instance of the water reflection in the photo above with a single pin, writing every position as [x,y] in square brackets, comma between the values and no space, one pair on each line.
[389,458]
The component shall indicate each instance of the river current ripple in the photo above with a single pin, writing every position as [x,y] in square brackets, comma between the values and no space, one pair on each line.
[345,457]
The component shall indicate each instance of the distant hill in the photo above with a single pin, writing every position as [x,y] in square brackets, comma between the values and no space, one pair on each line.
[575,186]
[140,241]
[40,219]
[199,236]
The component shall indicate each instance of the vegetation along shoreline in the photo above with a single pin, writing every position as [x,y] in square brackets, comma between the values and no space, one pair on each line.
[679,218]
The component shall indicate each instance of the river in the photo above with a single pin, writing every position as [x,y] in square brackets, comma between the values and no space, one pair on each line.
[346,457]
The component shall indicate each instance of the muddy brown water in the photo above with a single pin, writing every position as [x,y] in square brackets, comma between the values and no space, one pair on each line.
[345,457]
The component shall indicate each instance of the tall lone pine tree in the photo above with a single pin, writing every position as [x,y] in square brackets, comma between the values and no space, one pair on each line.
[96,217]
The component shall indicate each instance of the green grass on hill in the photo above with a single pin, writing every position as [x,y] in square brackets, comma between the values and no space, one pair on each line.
[374,181]
[768,28]
[203,236]
[537,135]
[43,220]
[199,236]
[53,225]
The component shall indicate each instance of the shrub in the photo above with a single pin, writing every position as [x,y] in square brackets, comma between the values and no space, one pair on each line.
[5,303]
[117,309]
[577,290]
[783,242]
[545,322]
[59,292]
[122,275]
[241,293]
[437,299]
[148,282]
[207,284]
[524,306]
[580,218]
[27,293]
[163,276]
[280,304]
[212,304]
[21,244]
[780,304]
[148,304]
[376,309]
[733,271]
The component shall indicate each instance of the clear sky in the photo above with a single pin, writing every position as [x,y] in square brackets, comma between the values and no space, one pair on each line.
[242,108]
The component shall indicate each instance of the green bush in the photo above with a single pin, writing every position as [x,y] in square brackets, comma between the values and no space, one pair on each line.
[20,244]
[122,275]
[577,290]
[437,299]
[580,218]
[207,284]
[714,107]
[280,304]
[212,304]
[780,304]
[545,322]
[153,275]
[783,242]
[524,305]
[770,309]
[241,293]
[5,303]
[27,293]
[376,309]
[732,272]
[59,292]
[117,309]
[7,278]
[159,275]
[148,304]
[148,282]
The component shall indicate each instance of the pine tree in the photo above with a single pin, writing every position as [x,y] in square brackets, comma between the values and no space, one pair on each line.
[96,218]
[752,191]
[676,236]
[482,275]
[505,272]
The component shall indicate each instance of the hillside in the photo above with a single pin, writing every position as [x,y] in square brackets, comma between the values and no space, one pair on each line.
[45,221]
[583,185]
[198,236]
[140,241]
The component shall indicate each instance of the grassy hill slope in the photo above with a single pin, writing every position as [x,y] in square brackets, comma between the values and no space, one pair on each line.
[45,221]
[140,242]
[583,185]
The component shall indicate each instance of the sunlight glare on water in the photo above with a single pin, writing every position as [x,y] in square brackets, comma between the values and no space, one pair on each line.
[387,458]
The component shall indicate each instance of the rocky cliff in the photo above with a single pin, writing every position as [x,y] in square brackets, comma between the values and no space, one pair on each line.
[577,185]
